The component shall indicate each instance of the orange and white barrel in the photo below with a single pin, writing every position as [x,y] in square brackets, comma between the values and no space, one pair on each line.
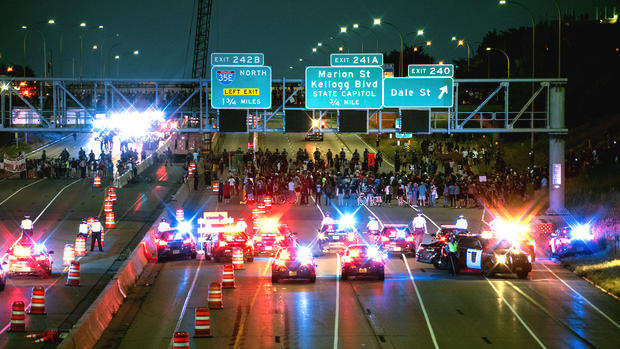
[216,187]
[80,246]
[228,276]
[109,223]
[68,255]
[203,323]
[18,317]
[107,205]
[214,296]
[73,279]
[97,181]
[181,340]
[112,194]
[237,258]
[37,305]
[180,214]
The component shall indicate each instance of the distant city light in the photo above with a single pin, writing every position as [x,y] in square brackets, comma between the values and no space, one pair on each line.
[319,44]
[461,43]
[24,27]
[9,69]
[117,57]
[95,47]
[291,67]
[100,27]
[340,48]
[440,62]
[301,59]
[502,2]
[313,49]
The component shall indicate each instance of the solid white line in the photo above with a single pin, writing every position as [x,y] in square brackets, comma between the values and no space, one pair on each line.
[336,317]
[54,198]
[582,297]
[417,292]
[189,294]
[20,189]
[529,330]
[317,206]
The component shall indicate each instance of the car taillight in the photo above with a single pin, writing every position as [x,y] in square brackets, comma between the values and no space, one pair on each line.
[258,238]
[409,239]
[163,242]
[249,243]
[347,259]
[421,247]
[222,244]
[187,241]
[385,238]
[40,258]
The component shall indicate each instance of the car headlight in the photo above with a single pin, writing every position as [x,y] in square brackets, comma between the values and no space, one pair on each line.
[501,258]
[321,236]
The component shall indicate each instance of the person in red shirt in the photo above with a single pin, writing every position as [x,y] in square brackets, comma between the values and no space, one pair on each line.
[226,190]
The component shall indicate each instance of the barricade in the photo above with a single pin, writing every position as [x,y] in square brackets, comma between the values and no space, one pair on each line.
[191,169]
[97,181]
[112,194]
[68,255]
[80,246]
[237,258]
[203,323]
[37,305]
[18,317]
[49,336]
[181,340]
[214,296]
[180,214]
[109,223]
[73,279]
[107,205]
[228,276]
[216,187]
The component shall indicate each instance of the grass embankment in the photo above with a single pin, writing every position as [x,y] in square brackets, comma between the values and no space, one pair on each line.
[602,268]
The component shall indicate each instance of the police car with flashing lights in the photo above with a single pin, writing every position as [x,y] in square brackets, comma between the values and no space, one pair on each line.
[270,237]
[337,237]
[572,240]
[27,258]
[362,260]
[397,239]
[177,243]
[293,263]
[491,257]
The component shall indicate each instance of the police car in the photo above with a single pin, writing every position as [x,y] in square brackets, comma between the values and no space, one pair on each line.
[499,257]
[293,263]
[337,237]
[177,244]
[397,239]
[362,260]
[220,245]
[270,236]
[27,258]
[572,240]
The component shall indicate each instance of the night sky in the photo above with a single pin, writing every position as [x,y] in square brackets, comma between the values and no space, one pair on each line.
[283,30]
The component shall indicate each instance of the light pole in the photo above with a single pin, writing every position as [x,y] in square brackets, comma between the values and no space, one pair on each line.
[557,6]
[117,59]
[531,14]
[344,30]
[379,21]
[357,26]
[505,55]
[462,42]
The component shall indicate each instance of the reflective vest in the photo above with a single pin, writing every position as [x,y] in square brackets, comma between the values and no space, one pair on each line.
[26,224]
[461,223]
[419,222]
[83,229]
[452,247]
[96,227]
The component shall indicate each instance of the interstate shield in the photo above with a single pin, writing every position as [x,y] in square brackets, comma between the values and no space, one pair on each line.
[225,77]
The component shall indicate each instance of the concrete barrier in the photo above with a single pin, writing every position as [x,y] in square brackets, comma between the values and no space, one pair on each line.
[91,325]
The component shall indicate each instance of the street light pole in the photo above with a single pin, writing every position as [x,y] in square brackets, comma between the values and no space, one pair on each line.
[505,55]
[462,42]
[557,6]
[373,33]
[379,21]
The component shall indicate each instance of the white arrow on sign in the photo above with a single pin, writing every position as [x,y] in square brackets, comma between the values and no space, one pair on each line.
[443,90]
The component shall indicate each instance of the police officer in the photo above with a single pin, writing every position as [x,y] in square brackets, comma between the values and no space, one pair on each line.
[461,223]
[327,220]
[373,229]
[26,226]
[83,228]
[242,225]
[96,229]
[419,229]
[163,226]
[452,248]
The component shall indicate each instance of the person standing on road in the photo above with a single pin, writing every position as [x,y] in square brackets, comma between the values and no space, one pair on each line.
[96,229]
[419,229]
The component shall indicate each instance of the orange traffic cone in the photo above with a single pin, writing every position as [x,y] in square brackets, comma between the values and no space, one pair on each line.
[73,279]
[18,317]
[80,246]
[215,296]
[203,323]
[69,255]
[237,258]
[37,306]
[97,182]
[109,223]
[228,276]
[181,340]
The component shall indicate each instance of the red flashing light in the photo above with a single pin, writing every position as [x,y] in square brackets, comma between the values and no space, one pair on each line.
[222,244]
[385,239]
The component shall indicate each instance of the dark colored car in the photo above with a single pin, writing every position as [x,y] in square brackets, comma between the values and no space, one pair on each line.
[397,239]
[433,253]
[336,238]
[27,258]
[293,263]
[361,260]
[220,246]
[499,257]
[171,245]
[268,240]
[572,240]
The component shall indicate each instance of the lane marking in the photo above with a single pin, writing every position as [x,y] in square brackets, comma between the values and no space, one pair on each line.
[582,297]
[544,310]
[317,206]
[529,330]
[417,292]
[54,198]
[337,313]
[20,189]
[244,316]
[189,294]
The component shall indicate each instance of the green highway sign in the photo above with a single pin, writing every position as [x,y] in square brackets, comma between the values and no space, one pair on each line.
[237,59]
[344,87]
[240,87]
[356,59]
[431,70]
[418,92]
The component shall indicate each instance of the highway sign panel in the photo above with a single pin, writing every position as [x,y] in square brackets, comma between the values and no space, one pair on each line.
[431,70]
[356,59]
[215,216]
[418,92]
[344,87]
[237,59]
[240,87]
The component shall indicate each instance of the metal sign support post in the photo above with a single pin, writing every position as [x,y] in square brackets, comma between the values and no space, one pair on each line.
[557,168]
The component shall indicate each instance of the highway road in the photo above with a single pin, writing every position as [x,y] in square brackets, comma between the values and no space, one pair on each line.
[416,305]
[57,207]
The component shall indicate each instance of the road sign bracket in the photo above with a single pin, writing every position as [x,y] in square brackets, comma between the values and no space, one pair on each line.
[473,113]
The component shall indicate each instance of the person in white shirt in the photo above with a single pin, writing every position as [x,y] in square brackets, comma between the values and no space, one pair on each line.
[163,226]
[327,221]
[27,226]
[97,230]
[461,223]
[419,228]
[241,225]
[83,228]
[373,229]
